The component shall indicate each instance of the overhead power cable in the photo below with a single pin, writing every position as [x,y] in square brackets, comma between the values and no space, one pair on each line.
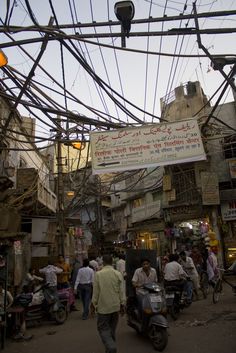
[105,86]
[74,117]
[172,69]
[67,36]
[158,64]
[17,100]
[116,60]
[97,87]
[31,73]
[232,73]
[147,62]
[94,110]
[141,21]
[102,56]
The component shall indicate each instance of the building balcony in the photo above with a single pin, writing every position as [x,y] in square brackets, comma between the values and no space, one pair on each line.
[36,196]
[46,197]
[147,211]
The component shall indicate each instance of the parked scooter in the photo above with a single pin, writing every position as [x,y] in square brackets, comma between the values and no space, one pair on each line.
[50,308]
[176,300]
[147,314]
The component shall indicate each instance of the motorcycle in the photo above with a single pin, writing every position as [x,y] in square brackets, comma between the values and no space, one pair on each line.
[176,299]
[66,295]
[49,307]
[147,314]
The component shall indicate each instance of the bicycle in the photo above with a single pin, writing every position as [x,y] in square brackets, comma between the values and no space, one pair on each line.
[218,285]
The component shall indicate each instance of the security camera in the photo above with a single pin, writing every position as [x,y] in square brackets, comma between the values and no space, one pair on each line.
[124,11]
[219,62]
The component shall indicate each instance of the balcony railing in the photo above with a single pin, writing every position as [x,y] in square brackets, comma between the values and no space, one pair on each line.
[46,197]
[150,210]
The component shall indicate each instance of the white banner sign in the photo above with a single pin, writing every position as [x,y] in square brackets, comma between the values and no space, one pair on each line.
[146,146]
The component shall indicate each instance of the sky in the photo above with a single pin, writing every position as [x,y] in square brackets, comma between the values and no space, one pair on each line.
[142,79]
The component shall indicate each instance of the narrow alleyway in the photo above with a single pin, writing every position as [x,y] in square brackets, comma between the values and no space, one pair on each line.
[204,327]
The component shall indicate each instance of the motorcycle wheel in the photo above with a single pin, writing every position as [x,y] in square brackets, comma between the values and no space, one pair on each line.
[60,316]
[159,337]
[174,311]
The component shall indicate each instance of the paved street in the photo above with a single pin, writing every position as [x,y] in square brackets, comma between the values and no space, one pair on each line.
[204,327]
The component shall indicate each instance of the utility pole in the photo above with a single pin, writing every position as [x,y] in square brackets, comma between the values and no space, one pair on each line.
[99,216]
[60,193]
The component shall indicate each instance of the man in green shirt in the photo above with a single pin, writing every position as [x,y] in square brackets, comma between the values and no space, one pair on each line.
[108,300]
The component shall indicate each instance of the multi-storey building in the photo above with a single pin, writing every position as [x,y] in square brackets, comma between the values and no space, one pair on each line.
[27,204]
[196,199]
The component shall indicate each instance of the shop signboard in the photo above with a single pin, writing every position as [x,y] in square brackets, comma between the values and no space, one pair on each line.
[181,213]
[146,146]
[228,211]
[210,188]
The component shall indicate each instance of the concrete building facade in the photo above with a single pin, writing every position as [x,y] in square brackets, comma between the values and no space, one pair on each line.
[25,194]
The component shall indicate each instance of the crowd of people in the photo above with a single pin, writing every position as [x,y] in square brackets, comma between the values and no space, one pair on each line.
[100,283]
[184,269]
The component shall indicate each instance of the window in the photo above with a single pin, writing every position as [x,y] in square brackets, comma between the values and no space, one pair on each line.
[184,183]
[137,203]
[23,163]
[108,215]
[3,152]
[229,147]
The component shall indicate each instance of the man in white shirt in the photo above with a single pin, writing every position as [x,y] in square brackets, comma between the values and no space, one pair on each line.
[120,265]
[50,272]
[212,267]
[84,282]
[189,267]
[174,274]
[144,275]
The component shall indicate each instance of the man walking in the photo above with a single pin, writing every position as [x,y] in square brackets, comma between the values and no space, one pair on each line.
[108,300]
[84,281]
[187,263]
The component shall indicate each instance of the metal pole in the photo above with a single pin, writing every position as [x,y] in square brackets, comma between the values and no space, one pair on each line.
[201,46]
[123,41]
[60,194]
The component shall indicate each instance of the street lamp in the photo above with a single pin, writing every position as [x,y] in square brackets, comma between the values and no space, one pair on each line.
[70,193]
[218,63]
[76,144]
[3,59]
[124,11]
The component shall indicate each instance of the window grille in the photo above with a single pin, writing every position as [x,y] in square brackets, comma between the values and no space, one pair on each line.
[184,183]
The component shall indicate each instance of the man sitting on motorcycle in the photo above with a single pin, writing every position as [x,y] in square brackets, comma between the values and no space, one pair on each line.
[144,275]
[174,274]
